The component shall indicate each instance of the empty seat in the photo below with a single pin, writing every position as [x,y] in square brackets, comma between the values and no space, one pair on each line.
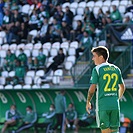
[21,46]
[71,58]
[1,87]
[13,47]
[71,51]
[53,52]
[2,81]
[74,44]
[80,11]
[29,46]
[28,80]
[82,4]
[90,4]
[4,73]
[5,47]
[18,86]
[47,45]
[37,80]
[40,73]
[11,74]
[27,52]
[56,45]
[35,53]
[8,87]
[68,65]
[30,73]
[74,5]
[58,72]
[25,9]
[37,46]
[27,87]
[107,3]
[115,2]
[2,53]
[45,52]
[99,3]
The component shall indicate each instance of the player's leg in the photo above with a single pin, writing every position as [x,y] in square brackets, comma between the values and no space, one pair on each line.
[102,118]
[114,121]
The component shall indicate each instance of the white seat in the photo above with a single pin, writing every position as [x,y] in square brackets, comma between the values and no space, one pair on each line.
[71,58]
[27,52]
[107,3]
[105,8]
[2,53]
[74,5]
[50,59]
[29,46]
[124,2]
[64,5]
[122,9]
[45,52]
[18,86]
[90,4]
[58,72]
[37,80]
[68,65]
[30,73]
[28,80]
[74,24]
[21,46]
[11,74]
[1,41]
[2,34]
[44,86]
[40,73]
[47,45]
[56,45]
[33,33]
[73,10]
[55,80]
[27,87]
[2,80]
[37,46]
[13,47]
[36,87]
[74,44]
[115,2]
[5,47]
[71,51]
[31,9]
[82,4]
[80,11]
[65,45]
[78,17]
[8,87]
[25,8]
[130,14]
[53,52]
[99,3]
[95,10]
[1,87]
[35,52]
[17,52]
[4,73]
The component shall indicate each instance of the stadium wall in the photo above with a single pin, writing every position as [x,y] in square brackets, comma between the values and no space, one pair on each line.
[41,99]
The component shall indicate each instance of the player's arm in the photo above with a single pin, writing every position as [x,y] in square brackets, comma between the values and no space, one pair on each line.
[91,92]
[121,90]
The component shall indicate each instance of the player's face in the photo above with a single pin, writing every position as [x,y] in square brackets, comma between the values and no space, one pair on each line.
[95,58]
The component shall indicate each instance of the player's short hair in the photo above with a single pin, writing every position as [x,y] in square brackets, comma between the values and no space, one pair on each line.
[101,50]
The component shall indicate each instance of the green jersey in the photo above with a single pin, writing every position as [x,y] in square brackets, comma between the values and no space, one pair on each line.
[60,104]
[107,77]
[71,114]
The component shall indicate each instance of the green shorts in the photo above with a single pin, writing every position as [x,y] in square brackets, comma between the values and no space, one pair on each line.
[108,119]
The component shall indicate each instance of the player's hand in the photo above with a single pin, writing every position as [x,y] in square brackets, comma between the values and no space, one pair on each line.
[88,107]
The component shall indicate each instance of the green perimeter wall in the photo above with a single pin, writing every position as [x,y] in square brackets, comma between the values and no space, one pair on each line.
[41,99]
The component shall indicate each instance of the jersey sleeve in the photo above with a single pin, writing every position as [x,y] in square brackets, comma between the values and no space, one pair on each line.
[120,77]
[94,77]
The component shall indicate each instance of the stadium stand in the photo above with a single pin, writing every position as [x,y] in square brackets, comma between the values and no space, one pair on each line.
[72,73]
